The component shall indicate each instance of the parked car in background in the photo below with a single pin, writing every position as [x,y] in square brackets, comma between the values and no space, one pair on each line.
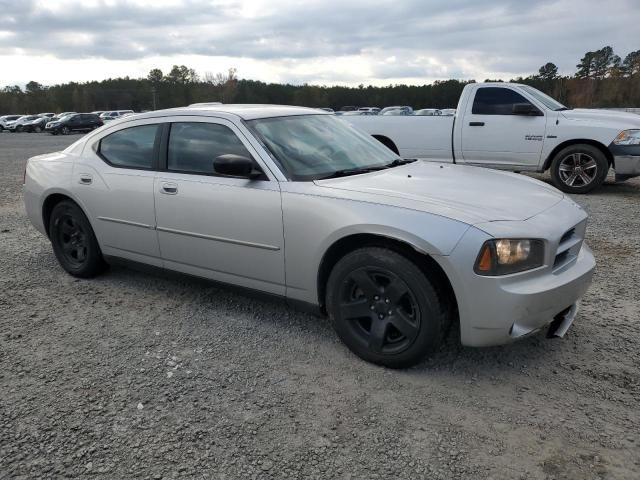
[374,110]
[98,112]
[448,111]
[396,111]
[348,108]
[63,114]
[427,112]
[36,125]
[326,109]
[19,124]
[48,115]
[114,114]
[516,127]
[394,251]
[5,119]
[77,122]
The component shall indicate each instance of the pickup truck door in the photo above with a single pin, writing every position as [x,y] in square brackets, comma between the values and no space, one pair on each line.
[223,228]
[493,134]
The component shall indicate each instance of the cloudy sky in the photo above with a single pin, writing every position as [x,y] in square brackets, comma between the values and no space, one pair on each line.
[316,41]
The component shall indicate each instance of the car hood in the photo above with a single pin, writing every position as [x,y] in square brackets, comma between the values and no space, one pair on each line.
[468,194]
[623,119]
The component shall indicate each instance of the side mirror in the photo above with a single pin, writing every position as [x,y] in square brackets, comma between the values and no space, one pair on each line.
[525,109]
[235,166]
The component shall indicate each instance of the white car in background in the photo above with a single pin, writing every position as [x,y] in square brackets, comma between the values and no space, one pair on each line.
[5,120]
[114,114]
[296,203]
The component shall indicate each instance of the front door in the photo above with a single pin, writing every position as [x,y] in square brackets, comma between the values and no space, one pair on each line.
[222,228]
[493,136]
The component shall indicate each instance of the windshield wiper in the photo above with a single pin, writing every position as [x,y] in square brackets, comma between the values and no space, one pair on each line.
[355,171]
[345,172]
[400,161]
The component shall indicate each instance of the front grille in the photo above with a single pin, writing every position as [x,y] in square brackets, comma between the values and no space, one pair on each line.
[568,247]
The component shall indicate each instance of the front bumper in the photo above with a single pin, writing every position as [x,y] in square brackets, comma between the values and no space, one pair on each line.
[501,309]
[628,165]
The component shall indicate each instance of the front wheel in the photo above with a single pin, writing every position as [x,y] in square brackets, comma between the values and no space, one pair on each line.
[74,243]
[384,308]
[65,131]
[19,128]
[579,169]
[37,129]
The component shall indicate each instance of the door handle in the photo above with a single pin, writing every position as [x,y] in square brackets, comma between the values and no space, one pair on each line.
[476,124]
[169,188]
[85,179]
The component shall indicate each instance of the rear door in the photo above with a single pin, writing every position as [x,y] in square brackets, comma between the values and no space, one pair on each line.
[494,136]
[223,228]
[114,182]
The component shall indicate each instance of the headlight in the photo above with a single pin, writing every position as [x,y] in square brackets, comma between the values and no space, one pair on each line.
[505,256]
[628,137]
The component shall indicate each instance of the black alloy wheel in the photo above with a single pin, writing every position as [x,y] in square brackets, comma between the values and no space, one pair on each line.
[384,307]
[380,310]
[74,242]
[65,130]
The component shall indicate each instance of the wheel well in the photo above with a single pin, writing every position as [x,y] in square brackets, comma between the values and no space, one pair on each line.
[427,264]
[578,141]
[387,142]
[50,202]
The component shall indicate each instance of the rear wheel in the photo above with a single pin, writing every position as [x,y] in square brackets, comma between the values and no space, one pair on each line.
[579,169]
[37,129]
[384,308]
[65,131]
[19,128]
[74,242]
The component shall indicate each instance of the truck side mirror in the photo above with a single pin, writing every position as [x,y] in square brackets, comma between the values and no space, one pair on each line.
[525,109]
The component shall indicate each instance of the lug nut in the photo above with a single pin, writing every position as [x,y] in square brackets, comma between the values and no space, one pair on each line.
[381,316]
[372,307]
[376,297]
[386,300]
[390,312]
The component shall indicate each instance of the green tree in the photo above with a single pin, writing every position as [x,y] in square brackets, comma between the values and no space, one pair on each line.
[549,71]
[155,76]
[631,64]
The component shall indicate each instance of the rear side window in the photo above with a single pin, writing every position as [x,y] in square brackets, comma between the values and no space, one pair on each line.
[193,146]
[496,101]
[130,148]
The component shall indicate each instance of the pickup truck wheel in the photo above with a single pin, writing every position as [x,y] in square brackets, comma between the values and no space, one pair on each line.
[579,169]
[384,308]
[74,243]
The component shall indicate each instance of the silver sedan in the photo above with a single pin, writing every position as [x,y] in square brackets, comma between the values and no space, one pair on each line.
[296,203]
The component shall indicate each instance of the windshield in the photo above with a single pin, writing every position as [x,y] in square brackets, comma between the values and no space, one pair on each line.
[310,147]
[545,99]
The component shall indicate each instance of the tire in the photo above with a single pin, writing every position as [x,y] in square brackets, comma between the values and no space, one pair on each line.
[74,243]
[37,129]
[579,169]
[19,129]
[384,308]
[65,131]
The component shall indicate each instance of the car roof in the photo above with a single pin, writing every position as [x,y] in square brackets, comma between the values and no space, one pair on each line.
[243,111]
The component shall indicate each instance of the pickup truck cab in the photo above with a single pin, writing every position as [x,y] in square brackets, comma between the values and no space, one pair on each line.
[515,127]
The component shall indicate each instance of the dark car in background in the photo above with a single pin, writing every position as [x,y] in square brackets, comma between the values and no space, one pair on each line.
[77,122]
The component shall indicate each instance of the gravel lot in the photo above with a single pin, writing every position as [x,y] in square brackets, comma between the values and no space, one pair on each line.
[161,376]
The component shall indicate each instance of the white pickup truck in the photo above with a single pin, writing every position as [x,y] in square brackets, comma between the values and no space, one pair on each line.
[516,127]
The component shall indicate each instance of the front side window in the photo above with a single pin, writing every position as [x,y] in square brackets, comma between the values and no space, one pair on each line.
[496,101]
[311,147]
[194,146]
[130,148]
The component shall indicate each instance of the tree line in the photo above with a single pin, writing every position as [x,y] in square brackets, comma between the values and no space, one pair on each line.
[602,79]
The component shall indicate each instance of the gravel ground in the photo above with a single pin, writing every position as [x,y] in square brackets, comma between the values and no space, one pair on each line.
[161,376]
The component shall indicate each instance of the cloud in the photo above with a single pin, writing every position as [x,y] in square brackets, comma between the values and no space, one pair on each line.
[307,41]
